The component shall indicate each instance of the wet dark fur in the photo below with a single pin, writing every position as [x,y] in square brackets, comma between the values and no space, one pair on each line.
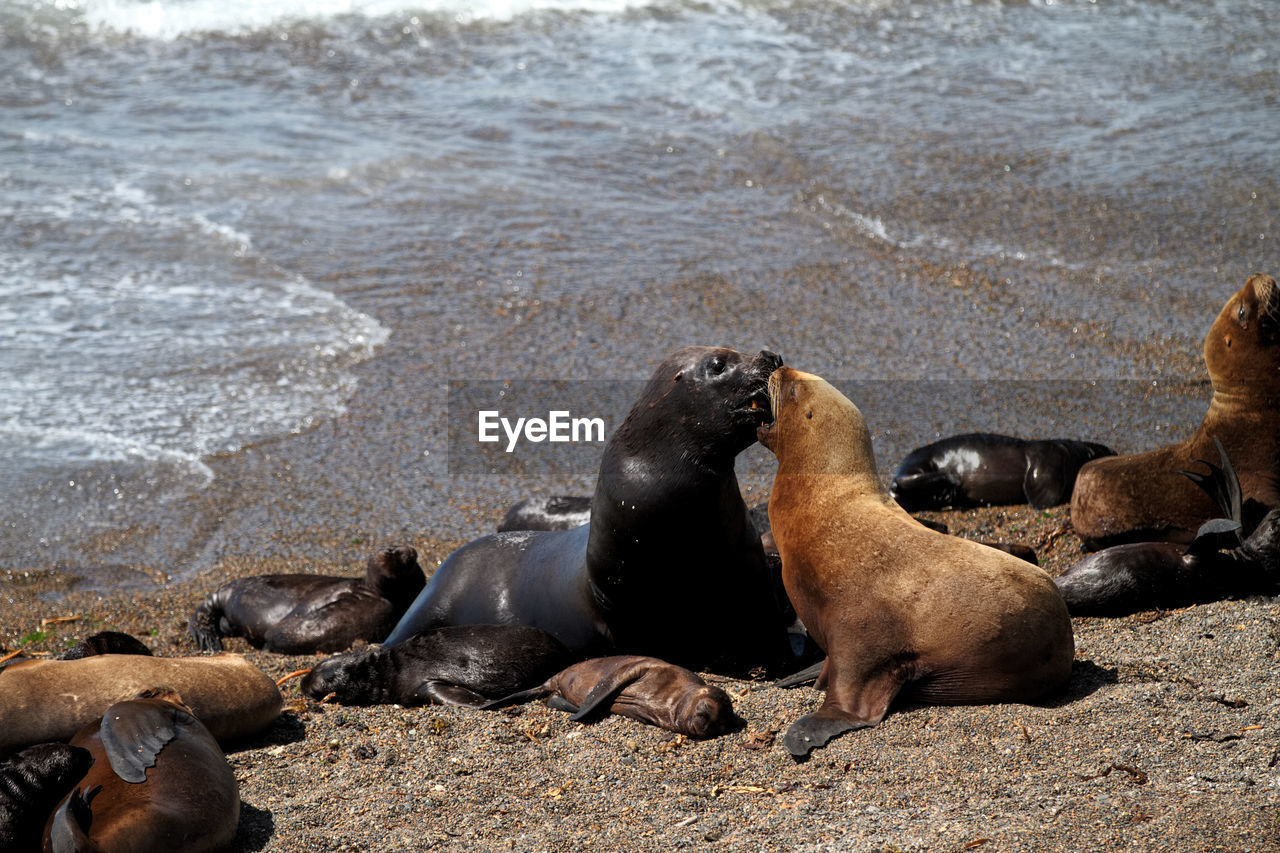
[306,614]
[106,643]
[31,784]
[459,665]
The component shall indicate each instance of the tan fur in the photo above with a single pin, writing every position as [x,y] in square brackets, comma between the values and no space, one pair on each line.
[44,700]
[1141,496]
[896,606]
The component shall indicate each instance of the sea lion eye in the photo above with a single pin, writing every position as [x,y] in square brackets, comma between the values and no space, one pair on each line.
[716,365]
[1242,315]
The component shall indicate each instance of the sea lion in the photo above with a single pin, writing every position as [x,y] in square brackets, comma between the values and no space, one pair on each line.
[106,643]
[550,512]
[642,688]
[31,784]
[986,469]
[159,782]
[1141,497]
[899,609]
[1217,564]
[669,565]
[308,614]
[455,665]
[44,700]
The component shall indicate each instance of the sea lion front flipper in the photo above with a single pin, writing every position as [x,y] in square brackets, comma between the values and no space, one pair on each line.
[817,730]
[607,689]
[133,737]
[1223,485]
[69,826]
[434,692]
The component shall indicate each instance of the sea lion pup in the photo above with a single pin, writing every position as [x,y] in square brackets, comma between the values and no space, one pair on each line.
[457,665]
[1137,576]
[986,469]
[1141,497]
[31,784]
[306,614]
[642,688]
[669,565]
[159,782]
[44,700]
[899,609]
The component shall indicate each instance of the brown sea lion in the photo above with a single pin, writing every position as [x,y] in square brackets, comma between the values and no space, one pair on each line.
[669,535]
[306,614]
[901,610]
[31,784]
[986,469]
[1141,497]
[159,782]
[44,700]
[642,688]
[455,665]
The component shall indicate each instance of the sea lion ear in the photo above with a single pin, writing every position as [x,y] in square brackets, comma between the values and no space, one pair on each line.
[133,738]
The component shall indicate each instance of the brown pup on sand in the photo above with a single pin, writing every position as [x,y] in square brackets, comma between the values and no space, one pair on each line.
[899,609]
[1142,497]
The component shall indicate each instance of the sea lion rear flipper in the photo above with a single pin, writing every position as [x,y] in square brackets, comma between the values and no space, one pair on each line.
[517,698]
[805,676]
[817,730]
[203,625]
[132,738]
[69,826]
[1223,485]
[433,692]
[608,688]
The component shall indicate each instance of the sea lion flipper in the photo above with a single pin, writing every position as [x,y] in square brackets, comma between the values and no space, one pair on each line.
[816,730]
[805,676]
[518,698]
[607,689]
[1221,483]
[69,826]
[203,625]
[434,692]
[132,739]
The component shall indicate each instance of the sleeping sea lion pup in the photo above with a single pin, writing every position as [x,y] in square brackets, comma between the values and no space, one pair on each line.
[305,614]
[159,782]
[899,609]
[985,469]
[457,665]
[31,784]
[669,565]
[642,688]
[43,700]
[1217,564]
[1141,497]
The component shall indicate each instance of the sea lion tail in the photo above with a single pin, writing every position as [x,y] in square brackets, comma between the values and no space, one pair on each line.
[203,625]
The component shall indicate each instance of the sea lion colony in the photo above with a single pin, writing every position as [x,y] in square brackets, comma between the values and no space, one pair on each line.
[976,626]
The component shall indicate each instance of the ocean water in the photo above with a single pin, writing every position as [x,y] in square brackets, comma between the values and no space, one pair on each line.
[208,211]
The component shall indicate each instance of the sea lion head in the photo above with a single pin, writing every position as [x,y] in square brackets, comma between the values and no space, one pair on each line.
[815,428]
[706,711]
[1243,345]
[344,676]
[395,574]
[703,403]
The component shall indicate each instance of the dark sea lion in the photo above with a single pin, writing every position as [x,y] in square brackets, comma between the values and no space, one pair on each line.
[31,784]
[44,700]
[553,512]
[985,469]
[306,614]
[1137,576]
[159,782]
[901,610]
[455,665]
[106,643]
[1141,497]
[642,688]
[669,565]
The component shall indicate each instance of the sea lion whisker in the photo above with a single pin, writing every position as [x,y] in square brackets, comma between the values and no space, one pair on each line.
[297,673]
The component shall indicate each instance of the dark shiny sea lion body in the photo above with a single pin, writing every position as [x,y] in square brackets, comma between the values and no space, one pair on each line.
[642,688]
[305,614]
[985,469]
[456,665]
[31,784]
[670,565]
[554,512]
[159,782]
